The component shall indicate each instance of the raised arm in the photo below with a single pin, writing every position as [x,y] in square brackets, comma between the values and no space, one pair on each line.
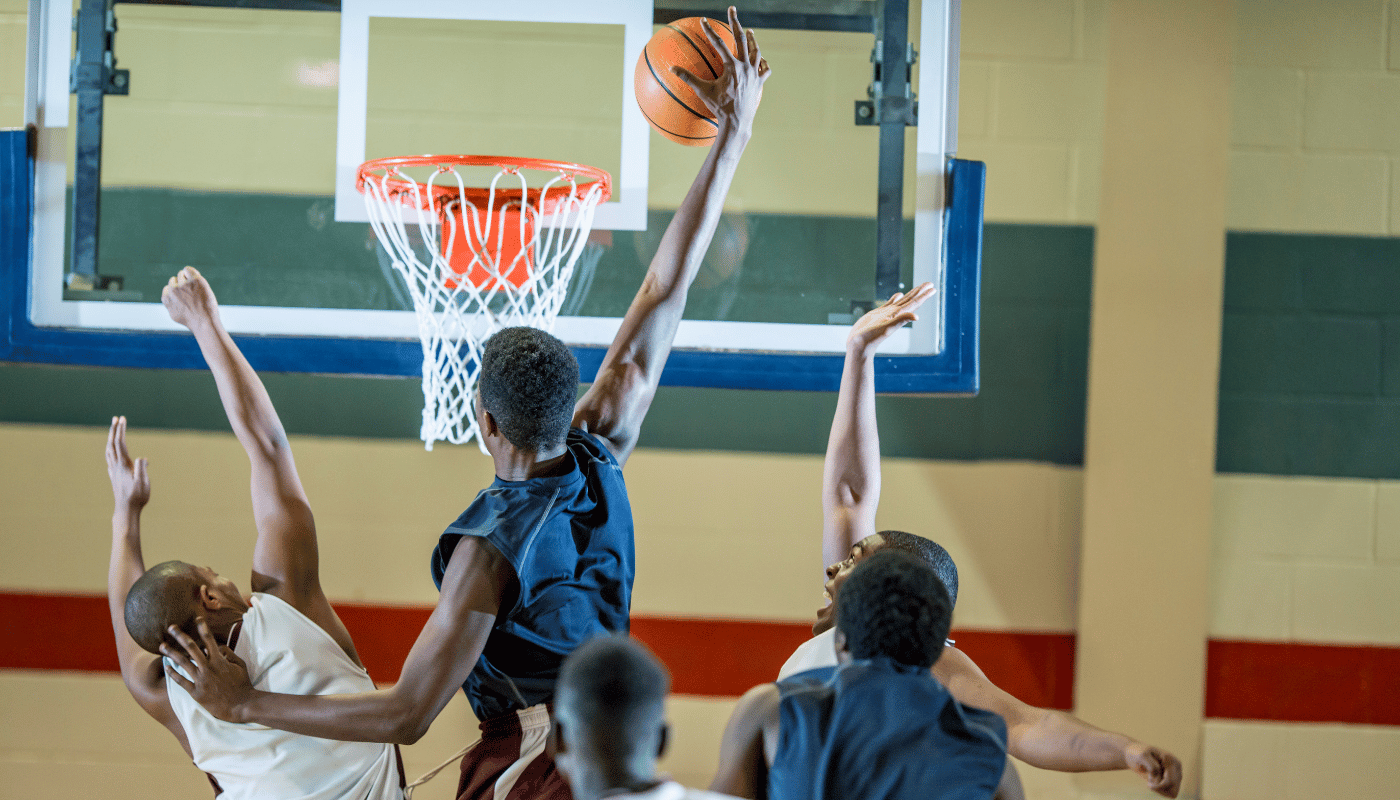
[477,577]
[285,557]
[131,489]
[616,403]
[851,473]
[1053,739]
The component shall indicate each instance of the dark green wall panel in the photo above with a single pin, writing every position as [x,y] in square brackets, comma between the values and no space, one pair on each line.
[1310,356]
[1035,323]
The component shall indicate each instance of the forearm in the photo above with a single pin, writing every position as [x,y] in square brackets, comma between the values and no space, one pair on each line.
[245,400]
[379,716]
[659,305]
[125,566]
[851,471]
[1064,743]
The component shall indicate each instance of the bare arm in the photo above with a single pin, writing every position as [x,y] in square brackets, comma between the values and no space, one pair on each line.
[286,562]
[750,740]
[1053,739]
[477,577]
[616,403]
[851,472]
[131,490]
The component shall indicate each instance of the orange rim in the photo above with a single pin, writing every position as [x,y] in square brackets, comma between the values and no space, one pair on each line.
[400,188]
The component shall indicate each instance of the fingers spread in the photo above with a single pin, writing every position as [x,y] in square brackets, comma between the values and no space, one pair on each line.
[717,42]
[178,678]
[689,79]
[211,646]
[192,651]
[737,30]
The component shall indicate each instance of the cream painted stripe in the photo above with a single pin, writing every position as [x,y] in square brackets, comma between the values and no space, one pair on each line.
[718,534]
[64,734]
[1279,761]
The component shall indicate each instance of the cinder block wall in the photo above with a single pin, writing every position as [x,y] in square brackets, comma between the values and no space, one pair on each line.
[1307,539]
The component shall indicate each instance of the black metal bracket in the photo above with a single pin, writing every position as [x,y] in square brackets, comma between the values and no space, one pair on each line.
[93,76]
[885,106]
[892,108]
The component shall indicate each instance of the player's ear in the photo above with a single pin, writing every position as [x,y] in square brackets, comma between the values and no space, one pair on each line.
[208,600]
[488,424]
[663,740]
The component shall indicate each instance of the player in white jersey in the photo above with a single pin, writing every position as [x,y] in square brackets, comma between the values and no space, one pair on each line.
[850,495]
[610,723]
[285,631]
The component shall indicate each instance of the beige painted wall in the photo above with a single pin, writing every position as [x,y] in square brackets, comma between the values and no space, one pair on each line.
[1312,148]
[1313,143]
[711,546]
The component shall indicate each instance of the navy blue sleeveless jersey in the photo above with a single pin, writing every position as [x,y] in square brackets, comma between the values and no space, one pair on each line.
[569,539]
[880,730]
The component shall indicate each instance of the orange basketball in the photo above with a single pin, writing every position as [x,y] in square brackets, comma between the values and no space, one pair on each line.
[668,103]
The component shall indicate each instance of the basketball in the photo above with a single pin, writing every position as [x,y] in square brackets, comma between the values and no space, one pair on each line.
[671,106]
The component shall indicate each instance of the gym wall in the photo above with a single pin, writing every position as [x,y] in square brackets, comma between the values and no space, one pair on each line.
[1306,561]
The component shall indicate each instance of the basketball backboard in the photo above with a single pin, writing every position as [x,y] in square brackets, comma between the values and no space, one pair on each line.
[229,147]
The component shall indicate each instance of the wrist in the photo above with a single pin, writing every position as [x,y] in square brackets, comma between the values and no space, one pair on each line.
[732,134]
[205,325]
[861,349]
[127,510]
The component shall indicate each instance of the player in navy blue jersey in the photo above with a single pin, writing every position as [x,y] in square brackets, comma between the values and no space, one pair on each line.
[851,480]
[542,560]
[878,726]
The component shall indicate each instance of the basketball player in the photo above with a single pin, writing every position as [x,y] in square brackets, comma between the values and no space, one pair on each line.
[542,560]
[878,726]
[285,631]
[850,494]
[610,723]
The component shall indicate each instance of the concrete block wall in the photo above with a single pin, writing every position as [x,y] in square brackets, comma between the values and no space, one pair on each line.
[1306,549]
[1031,106]
[1316,133]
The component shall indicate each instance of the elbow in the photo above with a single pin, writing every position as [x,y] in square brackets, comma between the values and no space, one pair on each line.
[409,727]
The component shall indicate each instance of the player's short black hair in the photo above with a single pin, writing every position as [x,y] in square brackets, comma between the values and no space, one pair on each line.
[166,594]
[529,382]
[613,684]
[929,552]
[894,605]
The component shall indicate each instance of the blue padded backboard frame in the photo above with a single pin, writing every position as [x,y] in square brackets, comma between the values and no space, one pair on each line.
[953,371]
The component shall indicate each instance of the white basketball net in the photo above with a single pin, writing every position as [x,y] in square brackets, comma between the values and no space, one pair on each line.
[456,314]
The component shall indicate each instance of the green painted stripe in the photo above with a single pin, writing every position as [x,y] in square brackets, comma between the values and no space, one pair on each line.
[1310,356]
[1036,283]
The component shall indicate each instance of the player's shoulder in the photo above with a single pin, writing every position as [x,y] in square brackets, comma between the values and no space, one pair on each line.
[589,449]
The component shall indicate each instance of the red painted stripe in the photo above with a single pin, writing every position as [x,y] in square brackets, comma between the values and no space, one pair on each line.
[1286,681]
[1036,668]
[1276,681]
[720,657]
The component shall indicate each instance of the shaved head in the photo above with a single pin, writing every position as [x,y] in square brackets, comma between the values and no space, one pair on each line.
[167,594]
[610,706]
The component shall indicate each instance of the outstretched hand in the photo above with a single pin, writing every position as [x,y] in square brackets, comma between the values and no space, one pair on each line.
[188,298]
[218,677]
[734,95]
[1160,769]
[879,323]
[131,486]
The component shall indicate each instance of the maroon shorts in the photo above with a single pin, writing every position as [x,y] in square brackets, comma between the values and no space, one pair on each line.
[510,763]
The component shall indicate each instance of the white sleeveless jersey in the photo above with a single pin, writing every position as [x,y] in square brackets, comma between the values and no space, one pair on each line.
[287,653]
[818,651]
